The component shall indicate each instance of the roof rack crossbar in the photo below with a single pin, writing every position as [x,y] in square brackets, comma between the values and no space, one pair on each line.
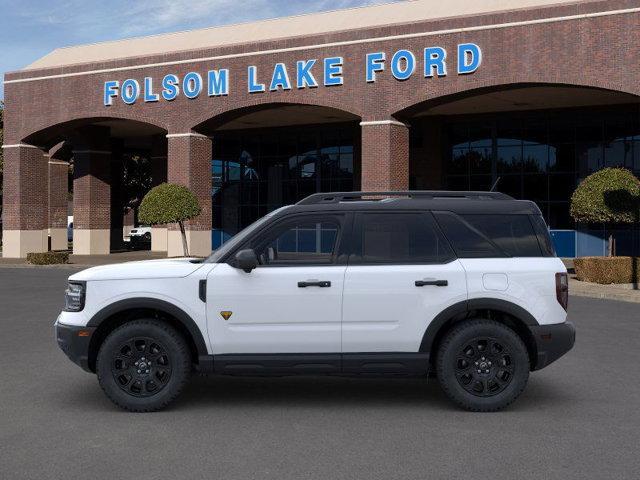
[336,197]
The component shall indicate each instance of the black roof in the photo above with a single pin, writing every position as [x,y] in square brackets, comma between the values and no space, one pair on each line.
[457,202]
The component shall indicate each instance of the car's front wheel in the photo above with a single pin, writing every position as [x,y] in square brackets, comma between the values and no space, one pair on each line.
[143,365]
[482,365]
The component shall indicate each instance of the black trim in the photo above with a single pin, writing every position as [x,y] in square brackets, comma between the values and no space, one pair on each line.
[460,310]
[277,364]
[202,290]
[455,311]
[74,346]
[383,363]
[274,364]
[154,304]
[552,342]
[504,306]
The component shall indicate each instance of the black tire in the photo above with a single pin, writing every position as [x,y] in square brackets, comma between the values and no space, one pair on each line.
[482,365]
[162,370]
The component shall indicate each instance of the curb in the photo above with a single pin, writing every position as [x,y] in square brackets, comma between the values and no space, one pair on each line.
[603,292]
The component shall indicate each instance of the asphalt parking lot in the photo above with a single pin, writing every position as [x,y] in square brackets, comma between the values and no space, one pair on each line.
[579,418]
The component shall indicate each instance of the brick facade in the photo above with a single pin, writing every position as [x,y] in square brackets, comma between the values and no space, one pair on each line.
[385,156]
[589,43]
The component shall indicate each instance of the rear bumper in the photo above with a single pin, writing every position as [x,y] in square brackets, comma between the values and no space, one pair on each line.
[552,342]
[74,342]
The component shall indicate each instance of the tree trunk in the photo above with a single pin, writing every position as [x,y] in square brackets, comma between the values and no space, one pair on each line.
[185,247]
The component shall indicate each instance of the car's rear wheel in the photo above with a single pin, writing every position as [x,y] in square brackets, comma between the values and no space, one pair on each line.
[482,365]
[143,365]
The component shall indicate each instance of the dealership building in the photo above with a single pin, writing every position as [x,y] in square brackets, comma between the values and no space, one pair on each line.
[419,94]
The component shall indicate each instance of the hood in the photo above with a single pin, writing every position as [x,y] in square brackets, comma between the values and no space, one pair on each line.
[163,268]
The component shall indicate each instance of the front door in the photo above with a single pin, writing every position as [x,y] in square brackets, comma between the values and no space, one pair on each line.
[292,302]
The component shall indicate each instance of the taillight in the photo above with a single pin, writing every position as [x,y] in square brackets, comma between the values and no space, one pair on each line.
[562,289]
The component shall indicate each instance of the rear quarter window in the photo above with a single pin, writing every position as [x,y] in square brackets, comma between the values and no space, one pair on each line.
[484,235]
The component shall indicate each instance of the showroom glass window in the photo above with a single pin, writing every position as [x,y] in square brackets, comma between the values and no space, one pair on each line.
[540,156]
[259,170]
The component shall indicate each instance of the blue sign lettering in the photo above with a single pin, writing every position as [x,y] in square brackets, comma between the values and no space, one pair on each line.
[402,67]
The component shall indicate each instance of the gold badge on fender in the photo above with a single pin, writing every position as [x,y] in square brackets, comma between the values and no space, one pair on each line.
[226,314]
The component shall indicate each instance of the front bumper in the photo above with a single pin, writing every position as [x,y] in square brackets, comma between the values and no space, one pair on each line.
[74,341]
[552,341]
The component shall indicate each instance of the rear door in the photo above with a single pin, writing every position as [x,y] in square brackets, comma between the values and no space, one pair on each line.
[401,274]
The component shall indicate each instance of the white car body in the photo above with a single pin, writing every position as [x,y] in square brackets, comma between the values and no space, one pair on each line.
[372,308]
[395,287]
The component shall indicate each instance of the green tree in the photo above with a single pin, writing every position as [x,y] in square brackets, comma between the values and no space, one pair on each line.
[170,203]
[136,180]
[611,195]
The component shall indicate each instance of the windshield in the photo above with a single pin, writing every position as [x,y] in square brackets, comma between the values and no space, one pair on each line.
[239,237]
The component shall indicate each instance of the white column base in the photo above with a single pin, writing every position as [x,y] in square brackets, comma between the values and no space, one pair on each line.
[58,238]
[159,239]
[198,241]
[91,241]
[17,243]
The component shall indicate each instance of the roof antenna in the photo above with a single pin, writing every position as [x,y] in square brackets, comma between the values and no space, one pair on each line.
[495,184]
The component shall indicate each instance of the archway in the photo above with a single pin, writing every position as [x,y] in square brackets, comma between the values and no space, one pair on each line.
[532,141]
[113,163]
[266,156]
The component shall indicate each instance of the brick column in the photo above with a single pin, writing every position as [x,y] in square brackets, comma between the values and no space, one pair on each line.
[92,192]
[58,190]
[385,155]
[158,175]
[189,164]
[25,211]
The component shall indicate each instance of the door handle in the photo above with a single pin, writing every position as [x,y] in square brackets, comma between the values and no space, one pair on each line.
[314,283]
[436,283]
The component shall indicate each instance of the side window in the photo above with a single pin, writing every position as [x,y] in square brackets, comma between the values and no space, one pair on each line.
[304,241]
[512,233]
[484,235]
[399,238]
[466,240]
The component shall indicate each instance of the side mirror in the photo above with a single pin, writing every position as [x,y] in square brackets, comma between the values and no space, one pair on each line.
[246,260]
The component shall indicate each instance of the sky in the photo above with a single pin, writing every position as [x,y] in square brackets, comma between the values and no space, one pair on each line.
[29,29]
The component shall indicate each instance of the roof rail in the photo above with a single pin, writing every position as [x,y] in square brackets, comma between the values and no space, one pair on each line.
[336,197]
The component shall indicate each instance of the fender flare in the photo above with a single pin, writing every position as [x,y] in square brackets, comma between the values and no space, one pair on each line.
[155,304]
[462,308]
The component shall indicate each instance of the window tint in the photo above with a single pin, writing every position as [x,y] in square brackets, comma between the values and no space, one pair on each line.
[300,242]
[400,238]
[466,240]
[475,236]
[512,233]
[544,239]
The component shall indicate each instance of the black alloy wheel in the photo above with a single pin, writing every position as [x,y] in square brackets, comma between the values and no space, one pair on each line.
[143,365]
[482,365]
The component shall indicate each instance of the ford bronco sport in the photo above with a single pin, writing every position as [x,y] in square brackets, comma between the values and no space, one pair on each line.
[463,285]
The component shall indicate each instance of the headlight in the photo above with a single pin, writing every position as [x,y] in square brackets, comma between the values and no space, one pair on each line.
[74,296]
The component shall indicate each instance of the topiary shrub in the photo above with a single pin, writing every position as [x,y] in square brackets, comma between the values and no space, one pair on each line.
[48,258]
[611,195]
[169,203]
[606,270]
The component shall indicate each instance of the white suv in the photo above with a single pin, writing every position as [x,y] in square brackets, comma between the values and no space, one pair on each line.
[464,285]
